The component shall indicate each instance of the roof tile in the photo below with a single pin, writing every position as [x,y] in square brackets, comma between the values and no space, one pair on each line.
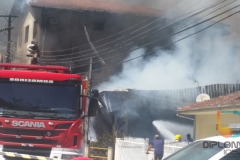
[96,5]
[229,99]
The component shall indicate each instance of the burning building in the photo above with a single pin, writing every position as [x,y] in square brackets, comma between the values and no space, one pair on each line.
[142,113]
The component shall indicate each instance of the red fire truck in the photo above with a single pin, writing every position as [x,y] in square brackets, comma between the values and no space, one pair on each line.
[42,110]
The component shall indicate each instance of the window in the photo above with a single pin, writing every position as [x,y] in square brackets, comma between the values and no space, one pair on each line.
[26,34]
[61,99]
[35,30]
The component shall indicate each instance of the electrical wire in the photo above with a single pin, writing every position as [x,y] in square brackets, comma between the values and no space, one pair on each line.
[111,35]
[135,37]
[168,44]
[119,53]
[46,57]
[83,64]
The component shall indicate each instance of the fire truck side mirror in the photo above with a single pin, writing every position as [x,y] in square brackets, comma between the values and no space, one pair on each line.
[93,106]
[94,93]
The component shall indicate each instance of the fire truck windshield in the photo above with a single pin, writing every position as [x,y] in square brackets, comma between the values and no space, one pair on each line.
[40,100]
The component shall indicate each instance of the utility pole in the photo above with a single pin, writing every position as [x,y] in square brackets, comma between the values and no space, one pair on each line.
[10,19]
[86,120]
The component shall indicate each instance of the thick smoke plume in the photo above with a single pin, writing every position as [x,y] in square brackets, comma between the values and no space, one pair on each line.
[208,57]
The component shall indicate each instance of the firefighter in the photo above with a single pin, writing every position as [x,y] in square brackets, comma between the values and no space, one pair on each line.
[33,51]
[189,139]
[177,138]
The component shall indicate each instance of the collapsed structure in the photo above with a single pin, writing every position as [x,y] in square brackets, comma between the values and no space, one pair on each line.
[132,112]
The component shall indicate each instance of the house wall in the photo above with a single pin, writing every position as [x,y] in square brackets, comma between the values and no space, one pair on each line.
[63,29]
[28,17]
[29,22]
[69,33]
[206,124]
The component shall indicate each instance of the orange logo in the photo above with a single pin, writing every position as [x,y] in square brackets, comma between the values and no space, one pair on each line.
[226,131]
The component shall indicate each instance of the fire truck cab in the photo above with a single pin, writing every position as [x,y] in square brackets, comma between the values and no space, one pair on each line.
[42,110]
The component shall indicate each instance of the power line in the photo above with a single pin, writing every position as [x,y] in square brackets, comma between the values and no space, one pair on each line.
[6,29]
[166,45]
[116,40]
[9,28]
[83,64]
[106,37]
[111,35]
[202,11]
[162,38]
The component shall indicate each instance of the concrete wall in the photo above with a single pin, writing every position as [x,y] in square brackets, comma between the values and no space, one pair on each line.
[28,22]
[206,124]
[27,17]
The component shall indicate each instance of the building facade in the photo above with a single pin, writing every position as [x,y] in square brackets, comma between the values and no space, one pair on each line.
[204,115]
[64,32]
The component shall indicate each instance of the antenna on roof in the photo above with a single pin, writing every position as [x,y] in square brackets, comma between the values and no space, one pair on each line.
[198,85]
[202,97]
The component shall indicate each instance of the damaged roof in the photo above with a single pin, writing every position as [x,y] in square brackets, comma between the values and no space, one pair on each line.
[96,5]
[227,100]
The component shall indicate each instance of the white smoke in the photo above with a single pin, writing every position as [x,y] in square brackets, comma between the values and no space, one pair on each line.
[210,58]
[5,8]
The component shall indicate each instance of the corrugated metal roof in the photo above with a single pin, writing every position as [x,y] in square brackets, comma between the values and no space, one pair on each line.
[229,99]
[96,5]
